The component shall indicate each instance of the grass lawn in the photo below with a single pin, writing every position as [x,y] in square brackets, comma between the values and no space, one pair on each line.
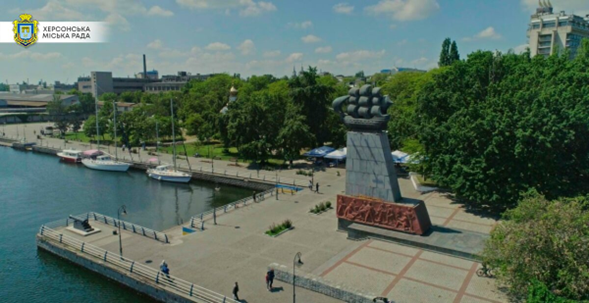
[215,150]
[429,182]
[81,137]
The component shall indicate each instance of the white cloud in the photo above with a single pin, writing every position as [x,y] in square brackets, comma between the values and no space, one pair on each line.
[402,42]
[405,10]
[323,50]
[359,55]
[54,10]
[118,21]
[158,11]
[310,39]
[487,33]
[271,54]
[247,47]
[26,54]
[521,48]
[155,44]
[247,8]
[294,57]
[393,26]
[218,46]
[343,8]
[303,25]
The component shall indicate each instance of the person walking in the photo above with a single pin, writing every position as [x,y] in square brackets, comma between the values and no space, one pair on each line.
[235,291]
[310,185]
[271,278]
[254,195]
[165,269]
[317,187]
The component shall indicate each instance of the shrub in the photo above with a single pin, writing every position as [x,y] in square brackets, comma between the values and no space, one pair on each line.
[545,241]
[317,209]
[287,224]
[328,204]
[322,206]
[338,174]
[539,293]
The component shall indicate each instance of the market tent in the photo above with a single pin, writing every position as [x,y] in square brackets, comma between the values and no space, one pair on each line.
[319,152]
[339,154]
[400,157]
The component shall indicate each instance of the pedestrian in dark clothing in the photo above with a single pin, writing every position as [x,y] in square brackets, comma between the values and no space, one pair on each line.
[235,291]
[271,277]
[317,187]
[254,194]
[165,269]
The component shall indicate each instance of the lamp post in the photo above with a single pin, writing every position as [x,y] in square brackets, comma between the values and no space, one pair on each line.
[276,185]
[295,261]
[123,210]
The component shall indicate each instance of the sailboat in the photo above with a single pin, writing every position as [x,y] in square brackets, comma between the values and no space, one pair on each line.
[167,172]
[106,162]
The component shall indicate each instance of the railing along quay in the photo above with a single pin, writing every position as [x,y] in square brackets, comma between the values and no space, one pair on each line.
[136,269]
[138,229]
[147,232]
[198,220]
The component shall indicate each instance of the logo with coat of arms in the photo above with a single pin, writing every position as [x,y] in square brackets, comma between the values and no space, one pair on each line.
[25,30]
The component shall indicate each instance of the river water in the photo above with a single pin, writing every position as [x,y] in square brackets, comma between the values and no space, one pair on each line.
[37,189]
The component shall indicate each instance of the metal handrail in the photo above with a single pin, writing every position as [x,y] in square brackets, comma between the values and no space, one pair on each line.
[138,229]
[200,218]
[183,287]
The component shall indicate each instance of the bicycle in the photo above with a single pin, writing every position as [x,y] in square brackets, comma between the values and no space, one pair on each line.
[485,272]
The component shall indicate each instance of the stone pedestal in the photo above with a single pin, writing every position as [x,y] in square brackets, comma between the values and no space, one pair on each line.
[370,170]
[410,217]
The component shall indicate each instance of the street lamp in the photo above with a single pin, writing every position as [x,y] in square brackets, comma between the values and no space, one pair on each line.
[276,185]
[296,261]
[123,210]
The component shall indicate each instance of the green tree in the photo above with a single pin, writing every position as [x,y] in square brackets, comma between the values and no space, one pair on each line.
[444,54]
[294,135]
[359,74]
[4,87]
[496,125]
[543,241]
[314,100]
[59,113]
[453,54]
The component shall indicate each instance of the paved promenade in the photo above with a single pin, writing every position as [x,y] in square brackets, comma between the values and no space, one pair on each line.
[236,249]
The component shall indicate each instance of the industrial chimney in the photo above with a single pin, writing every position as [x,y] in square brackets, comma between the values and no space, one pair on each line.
[144,68]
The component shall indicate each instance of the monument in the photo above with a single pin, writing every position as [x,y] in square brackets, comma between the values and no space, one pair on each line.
[372,195]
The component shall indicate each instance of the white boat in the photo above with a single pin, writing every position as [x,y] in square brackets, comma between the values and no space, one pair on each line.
[169,174]
[106,163]
[70,155]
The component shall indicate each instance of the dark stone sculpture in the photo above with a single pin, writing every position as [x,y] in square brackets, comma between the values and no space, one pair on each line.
[366,109]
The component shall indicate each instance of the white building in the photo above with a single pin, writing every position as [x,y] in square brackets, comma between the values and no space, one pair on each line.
[549,32]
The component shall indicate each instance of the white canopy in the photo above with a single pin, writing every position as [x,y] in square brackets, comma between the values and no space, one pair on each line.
[400,157]
[339,154]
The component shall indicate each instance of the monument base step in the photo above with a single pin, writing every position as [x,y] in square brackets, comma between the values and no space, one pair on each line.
[458,243]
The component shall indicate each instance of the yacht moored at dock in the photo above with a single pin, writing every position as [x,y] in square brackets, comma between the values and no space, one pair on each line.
[70,155]
[106,163]
[169,174]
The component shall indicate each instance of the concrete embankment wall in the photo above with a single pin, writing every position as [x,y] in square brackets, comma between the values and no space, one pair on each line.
[144,286]
[204,176]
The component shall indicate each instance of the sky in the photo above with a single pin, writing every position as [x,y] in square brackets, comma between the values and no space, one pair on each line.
[253,37]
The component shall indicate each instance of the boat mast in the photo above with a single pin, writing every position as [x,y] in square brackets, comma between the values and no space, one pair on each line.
[173,133]
[114,104]
[96,116]
[157,142]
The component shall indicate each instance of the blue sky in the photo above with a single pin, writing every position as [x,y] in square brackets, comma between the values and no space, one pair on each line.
[259,37]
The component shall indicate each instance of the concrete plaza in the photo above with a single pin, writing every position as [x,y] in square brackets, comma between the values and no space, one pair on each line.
[236,249]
